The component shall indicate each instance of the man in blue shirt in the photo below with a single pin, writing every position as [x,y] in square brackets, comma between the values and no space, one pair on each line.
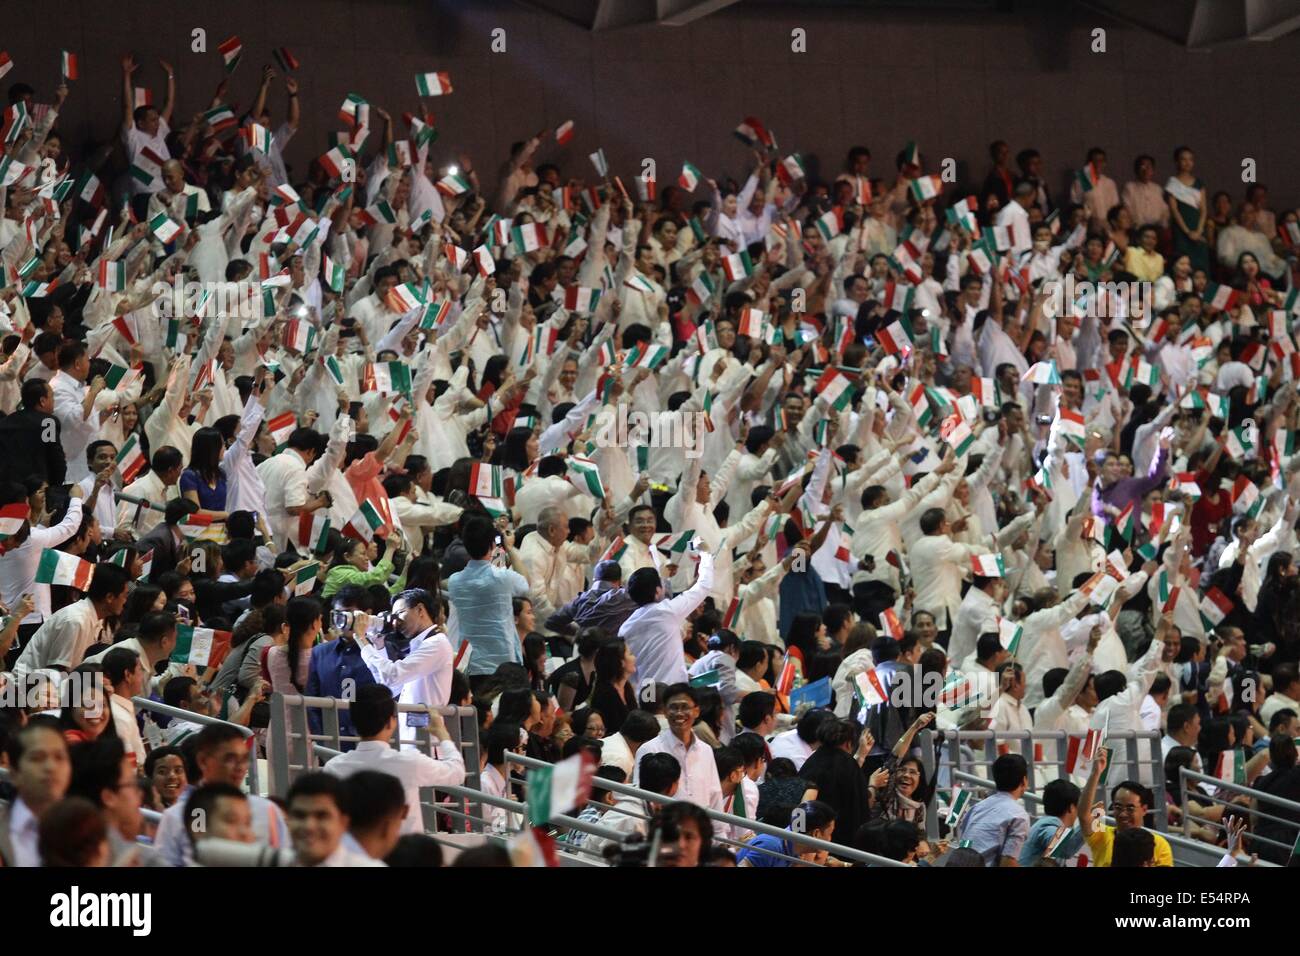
[998,825]
[1061,804]
[812,817]
[337,669]
[480,597]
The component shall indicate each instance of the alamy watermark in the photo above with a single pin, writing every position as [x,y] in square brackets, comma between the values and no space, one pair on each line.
[1100,300]
[179,299]
[622,428]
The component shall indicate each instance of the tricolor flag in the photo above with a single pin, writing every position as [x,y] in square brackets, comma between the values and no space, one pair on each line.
[920,405]
[304,579]
[926,187]
[584,474]
[528,236]
[738,266]
[1185,483]
[313,531]
[890,624]
[617,548]
[435,314]
[131,459]
[1070,424]
[1087,177]
[555,789]
[1231,767]
[1215,606]
[220,117]
[752,322]
[388,378]
[299,335]
[957,434]
[988,565]
[336,161]
[792,165]
[126,325]
[1239,442]
[433,84]
[831,223]
[985,391]
[335,275]
[871,691]
[581,298]
[201,646]
[751,132]
[835,388]
[733,613]
[405,297]
[112,275]
[281,427]
[230,51]
[1009,635]
[483,259]
[690,177]
[355,111]
[1082,751]
[1222,297]
[1043,373]
[675,542]
[564,132]
[454,184]
[365,522]
[59,567]
[648,357]
[12,519]
[960,800]
[164,228]
[6,64]
[463,656]
[485,481]
[599,162]
[69,66]
[288,62]
[896,337]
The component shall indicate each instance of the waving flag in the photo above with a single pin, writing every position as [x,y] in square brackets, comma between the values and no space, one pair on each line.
[201,646]
[835,388]
[555,789]
[231,50]
[1043,373]
[433,84]
[988,565]
[59,567]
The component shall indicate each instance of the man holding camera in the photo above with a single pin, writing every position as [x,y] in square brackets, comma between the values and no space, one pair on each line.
[423,676]
[335,663]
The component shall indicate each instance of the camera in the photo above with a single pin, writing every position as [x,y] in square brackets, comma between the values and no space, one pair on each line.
[658,846]
[344,622]
[217,852]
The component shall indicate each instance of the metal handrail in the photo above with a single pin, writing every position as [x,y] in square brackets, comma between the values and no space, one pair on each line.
[1175,840]
[1186,776]
[837,849]
[1061,738]
[180,714]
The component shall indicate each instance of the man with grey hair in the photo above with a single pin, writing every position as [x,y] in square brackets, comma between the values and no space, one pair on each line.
[555,566]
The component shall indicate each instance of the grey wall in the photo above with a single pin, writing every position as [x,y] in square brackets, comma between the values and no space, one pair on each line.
[952,81]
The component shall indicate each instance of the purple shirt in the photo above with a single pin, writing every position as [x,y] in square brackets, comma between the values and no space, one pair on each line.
[1128,491]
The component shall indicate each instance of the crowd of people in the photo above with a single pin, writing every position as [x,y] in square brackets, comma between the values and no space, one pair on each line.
[359,426]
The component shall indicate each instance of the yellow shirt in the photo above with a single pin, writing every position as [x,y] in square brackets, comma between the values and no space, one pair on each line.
[1102,842]
[1147,266]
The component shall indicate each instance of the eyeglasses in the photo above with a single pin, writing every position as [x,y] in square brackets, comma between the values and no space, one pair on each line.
[1125,808]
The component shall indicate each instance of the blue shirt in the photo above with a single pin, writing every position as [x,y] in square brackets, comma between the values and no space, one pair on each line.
[1041,833]
[331,664]
[996,827]
[481,596]
[212,499]
[765,841]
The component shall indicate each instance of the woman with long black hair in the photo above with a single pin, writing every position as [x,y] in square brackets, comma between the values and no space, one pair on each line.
[203,482]
[612,695]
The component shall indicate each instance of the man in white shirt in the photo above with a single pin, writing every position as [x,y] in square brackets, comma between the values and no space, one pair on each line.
[18,565]
[1010,715]
[62,640]
[1119,697]
[938,566]
[699,782]
[415,517]
[654,630]
[374,715]
[41,775]
[145,128]
[285,479]
[159,486]
[1014,216]
[74,406]
[1068,696]
[423,676]
[620,749]
[1286,692]
[979,613]
[125,671]
[1182,728]
[798,745]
